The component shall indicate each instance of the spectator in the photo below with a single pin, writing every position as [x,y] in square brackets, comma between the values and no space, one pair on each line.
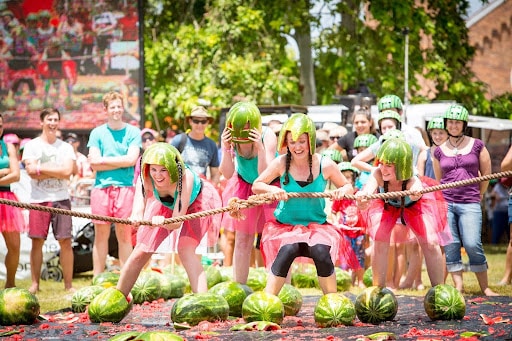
[49,162]
[499,204]
[363,124]
[199,152]
[463,157]
[298,232]
[114,148]
[506,165]
[12,222]
[80,191]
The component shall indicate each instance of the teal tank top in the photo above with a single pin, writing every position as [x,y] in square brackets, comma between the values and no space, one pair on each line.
[248,168]
[4,159]
[196,188]
[302,211]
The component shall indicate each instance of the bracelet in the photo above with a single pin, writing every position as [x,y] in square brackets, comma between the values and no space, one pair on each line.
[228,151]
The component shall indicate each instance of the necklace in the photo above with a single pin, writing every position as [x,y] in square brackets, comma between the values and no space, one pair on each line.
[456,146]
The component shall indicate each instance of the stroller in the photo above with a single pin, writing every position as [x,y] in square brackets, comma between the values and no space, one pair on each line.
[82,252]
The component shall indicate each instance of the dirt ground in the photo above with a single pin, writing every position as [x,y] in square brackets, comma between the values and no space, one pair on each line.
[411,323]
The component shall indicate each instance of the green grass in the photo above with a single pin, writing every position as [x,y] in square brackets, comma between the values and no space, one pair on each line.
[52,296]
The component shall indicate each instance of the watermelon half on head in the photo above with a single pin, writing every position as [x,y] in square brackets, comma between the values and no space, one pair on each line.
[261,306]
[444,302]
[18,306]
[375,305]
[334,309]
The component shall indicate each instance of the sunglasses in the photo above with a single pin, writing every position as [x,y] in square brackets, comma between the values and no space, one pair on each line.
[334,138]
[199,121]
[150,138]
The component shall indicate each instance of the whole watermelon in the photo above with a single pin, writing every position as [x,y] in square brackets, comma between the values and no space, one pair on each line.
[368,277]
[227,273]
[106,279]
[257,279]
[261,306]
[334,309]
[291,298]
[147,288]
[198,307]
[304,276]
[213,276]
[83,296]
[444,302]
[233,293]
[178,285]
[375,305]
[110,305]
[343,279]
[18,306]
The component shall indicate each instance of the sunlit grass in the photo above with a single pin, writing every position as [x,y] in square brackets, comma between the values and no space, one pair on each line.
[52,296]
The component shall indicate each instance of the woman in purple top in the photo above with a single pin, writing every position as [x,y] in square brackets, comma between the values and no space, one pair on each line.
[463,157]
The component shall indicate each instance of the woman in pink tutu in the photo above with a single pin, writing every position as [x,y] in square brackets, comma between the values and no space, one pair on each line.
[247,149]
[300,227]
[169,190]
[425,215]
[11,218]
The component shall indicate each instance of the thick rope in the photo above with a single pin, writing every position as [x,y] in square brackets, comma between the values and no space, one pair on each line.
[236,204]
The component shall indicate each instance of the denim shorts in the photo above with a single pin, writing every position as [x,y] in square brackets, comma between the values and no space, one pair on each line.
[465,222]
[510,209]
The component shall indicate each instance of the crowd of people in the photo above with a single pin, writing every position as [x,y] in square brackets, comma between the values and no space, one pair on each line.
[136,176]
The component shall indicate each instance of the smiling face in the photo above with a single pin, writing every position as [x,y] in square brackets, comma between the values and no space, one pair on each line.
[115,110]
[387,124]
[388,171]
[438,136]
[160,176]
[299,148]
[362,124]
[454,127]
[50,125]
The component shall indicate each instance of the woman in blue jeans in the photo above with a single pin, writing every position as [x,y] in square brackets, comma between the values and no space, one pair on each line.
[506,165]
[463,157]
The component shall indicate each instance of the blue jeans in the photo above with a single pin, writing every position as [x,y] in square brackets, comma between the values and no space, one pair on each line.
[465,222]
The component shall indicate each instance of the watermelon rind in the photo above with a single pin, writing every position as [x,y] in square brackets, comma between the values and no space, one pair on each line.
[159,335]
[18,306]
[194,308]
[233,293]
[444,302]
[83,296]
[334,309]
[110,305]
[291,298]
[375,305]
[262,306]
[125,336]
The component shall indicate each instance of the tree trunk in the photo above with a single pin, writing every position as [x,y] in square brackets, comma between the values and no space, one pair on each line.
[307,73]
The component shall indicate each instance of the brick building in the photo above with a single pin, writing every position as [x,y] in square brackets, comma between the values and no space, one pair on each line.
[490,32]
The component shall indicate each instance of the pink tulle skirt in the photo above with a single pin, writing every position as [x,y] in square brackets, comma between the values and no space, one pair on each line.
[427,219]
[149,237]
[254,217]
[11,217]
[275,235]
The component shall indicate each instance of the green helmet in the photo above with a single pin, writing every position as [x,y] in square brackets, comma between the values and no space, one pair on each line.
[457,112]
[436,123]
[238,116]
[298,124]
[393,134]
[333,154]
[364,140]
[389,114]
[389,102]
[398,152]
[163,154]
[345,165]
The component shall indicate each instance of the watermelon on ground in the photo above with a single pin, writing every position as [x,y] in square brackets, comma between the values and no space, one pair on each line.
[233,293]
[194,308]
[178,285]
[304,276]
[147,288]
[160,335]
[83,296]
[213,275]
[227,273]
[444,302]
[110,305]
[106,279]
[291,298]
[375,304]
[343,280]
[257,279]
[18,306]
[334,309]
[368,277]
[261,306]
